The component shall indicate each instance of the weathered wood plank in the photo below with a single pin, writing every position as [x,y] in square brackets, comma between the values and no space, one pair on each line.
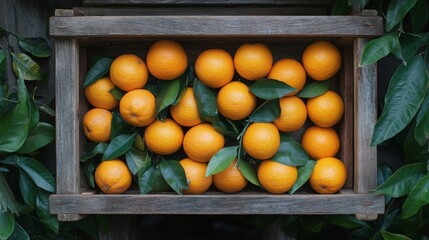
[365,111]
[218,204]
[207,2]
[216,26]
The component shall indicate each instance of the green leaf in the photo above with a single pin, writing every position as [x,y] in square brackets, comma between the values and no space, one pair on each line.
[25,67]
[406,92]
[89,168]
[137,160]
[7,104]
[14,125]
[146,180]
[419,15]
[403,180]
[340,7]
[38,47]
[174,174]
[358,5]
[225,126]
[98,70]
[411,149]
[411,43]
[396,12]
[270,89]
[153,88]
[292,154]
[7,222]
[287,137]
[19,233]
[117,93]
[206,101]
[28,189]
[348,222]
[118,146]
[7,199]
[42,210]
[304,173]
[119,126]
[34,113]
[249,172]
[378,48]
[169,90]
[158,183]
[41,135]
[384,171]
[421,132]
[315,88]
[184,82]
[417,198]
[36,171]
[221,160]
[392,236]
[267,112]
[91,150]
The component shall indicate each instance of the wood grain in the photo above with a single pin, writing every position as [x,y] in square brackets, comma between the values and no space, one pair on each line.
[206,2]
[216,26]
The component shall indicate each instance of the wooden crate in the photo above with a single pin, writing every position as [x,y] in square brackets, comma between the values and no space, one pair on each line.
[79,37]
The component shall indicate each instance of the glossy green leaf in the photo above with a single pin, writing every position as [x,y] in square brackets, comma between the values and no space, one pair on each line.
[226,127]
[270,89]
[118,146]
[98,70]
[28,189]
[378,48]
[340,7]
[117,93]
[137,160]
[42,210]
[419,15]
[7,200]
[146,180]
[304,173]
[384,171]
[413,152]
[139,143]
[7,223]
[403,180]
[418,197]
[14,125]
[358,5]
[174,175]
[92,149]
[221,160]
[348,222]
[28,68]
[392,236]
[41,135]
[184,80]
[249,172]
[396,12]
[19,233]
[292,154]
[7,104]
[267,112]
[286,137]
[34,113]
[421,132]
[411,43]
[315,88]
[119,126]
[89,168]
[37,47]
[206,101]
[159,184]
[406,92]
[169,90]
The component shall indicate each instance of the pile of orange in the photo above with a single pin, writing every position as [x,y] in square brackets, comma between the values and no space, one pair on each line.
[185,131]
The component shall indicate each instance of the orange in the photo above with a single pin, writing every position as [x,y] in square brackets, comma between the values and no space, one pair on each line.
[321,60]
[253,61]
[113,176]
[137,107]
[230,180]
[320,142]
[290,72]
[202,142]
[325,110]
[293,114]
[261,140]
[98,94]
[167,60]
[163,138]
[128,72]
[235,101]
[185,112]
[195,173]
[276,177]
[329,175]
[97,123]
[214,67]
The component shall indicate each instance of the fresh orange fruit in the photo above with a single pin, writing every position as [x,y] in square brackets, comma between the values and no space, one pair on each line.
[276,177]
[329,175]
[261,140]
[214,67]
[97,123]
[128,72]
[235,101]
[195,173]
[320,142]
[321,60]
[230,180]
[185,112]
[253,61]
[290,72]
[163,138]
[167,60]
[293,114]
[137,107]
[113,176]
[325,110]
[98,94]
[202,142]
